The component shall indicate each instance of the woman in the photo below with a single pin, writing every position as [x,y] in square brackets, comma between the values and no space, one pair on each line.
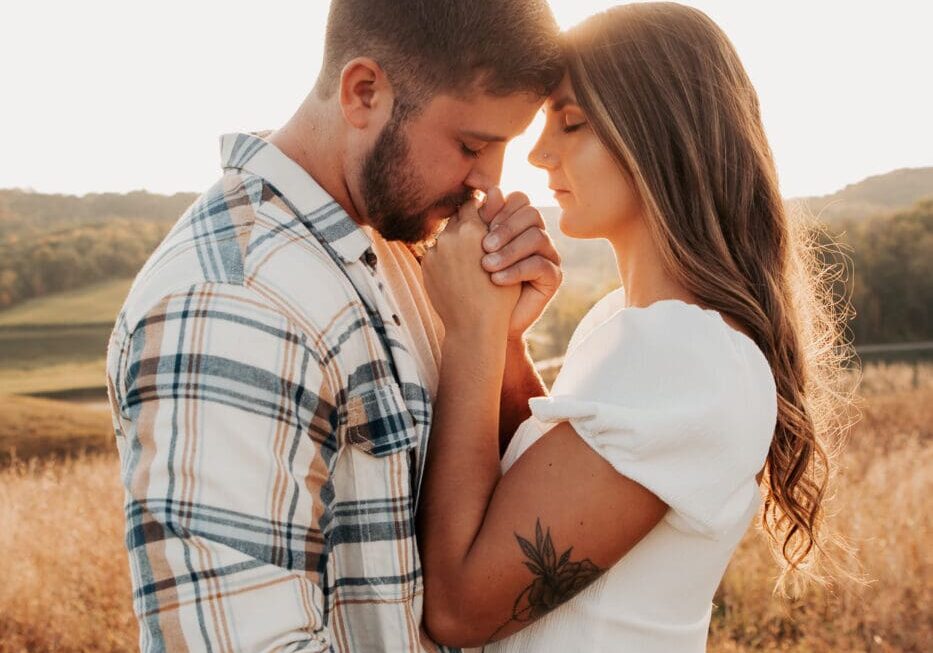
[704,384]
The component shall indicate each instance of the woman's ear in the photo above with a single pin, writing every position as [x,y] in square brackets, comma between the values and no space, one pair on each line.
[365,94]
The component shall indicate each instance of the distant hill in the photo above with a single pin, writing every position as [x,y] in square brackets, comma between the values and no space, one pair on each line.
[28,212]
[894,191]
[55,243]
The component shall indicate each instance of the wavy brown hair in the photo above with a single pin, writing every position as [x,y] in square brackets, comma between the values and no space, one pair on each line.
[665,92]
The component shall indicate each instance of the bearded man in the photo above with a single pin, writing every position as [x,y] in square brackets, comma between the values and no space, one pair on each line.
[272,371]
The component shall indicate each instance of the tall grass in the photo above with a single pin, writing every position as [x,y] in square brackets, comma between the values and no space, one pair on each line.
[65,576]
[64,582]
[883,505]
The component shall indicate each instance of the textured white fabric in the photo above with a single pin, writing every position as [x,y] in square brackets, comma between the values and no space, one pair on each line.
[680,402]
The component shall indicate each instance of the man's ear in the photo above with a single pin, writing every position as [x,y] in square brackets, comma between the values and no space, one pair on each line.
[366,96]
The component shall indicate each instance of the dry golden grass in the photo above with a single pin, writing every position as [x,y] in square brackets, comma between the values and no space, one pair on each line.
[64,568]
[883,506]
[65,584]
[53,378]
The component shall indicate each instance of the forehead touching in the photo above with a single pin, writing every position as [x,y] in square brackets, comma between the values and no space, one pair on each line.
[482,116]
[561,97]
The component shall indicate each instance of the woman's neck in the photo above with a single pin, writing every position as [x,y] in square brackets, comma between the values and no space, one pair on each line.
[641,269]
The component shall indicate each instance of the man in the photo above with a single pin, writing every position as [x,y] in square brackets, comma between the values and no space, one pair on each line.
[272,370]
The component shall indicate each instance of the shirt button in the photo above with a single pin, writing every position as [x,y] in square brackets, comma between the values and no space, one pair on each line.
[371,258]
[395,317]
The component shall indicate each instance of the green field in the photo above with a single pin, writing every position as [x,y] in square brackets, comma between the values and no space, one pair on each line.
[57,344]
[95,304]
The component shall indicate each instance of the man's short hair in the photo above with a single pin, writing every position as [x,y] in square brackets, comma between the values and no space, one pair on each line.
[427,47]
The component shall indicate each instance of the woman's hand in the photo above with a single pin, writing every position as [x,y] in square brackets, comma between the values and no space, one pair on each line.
[468,302]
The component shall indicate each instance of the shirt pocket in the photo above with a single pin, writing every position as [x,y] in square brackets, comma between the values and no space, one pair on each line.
[379,423]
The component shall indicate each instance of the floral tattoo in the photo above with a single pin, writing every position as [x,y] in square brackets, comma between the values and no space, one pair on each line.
[556,581]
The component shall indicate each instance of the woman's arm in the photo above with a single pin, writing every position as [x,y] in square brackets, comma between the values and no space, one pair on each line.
[523,254]
[499,552]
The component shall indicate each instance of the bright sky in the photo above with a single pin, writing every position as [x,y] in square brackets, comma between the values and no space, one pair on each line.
[109,95]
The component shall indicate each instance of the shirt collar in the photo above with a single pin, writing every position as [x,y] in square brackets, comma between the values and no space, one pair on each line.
[251,153]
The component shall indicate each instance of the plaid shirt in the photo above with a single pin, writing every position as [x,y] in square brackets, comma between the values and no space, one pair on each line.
[271,426]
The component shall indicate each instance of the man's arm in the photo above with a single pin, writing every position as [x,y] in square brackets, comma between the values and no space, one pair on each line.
[520,383]
[225,410]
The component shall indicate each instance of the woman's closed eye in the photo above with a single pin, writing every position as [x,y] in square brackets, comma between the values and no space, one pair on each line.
[573,124]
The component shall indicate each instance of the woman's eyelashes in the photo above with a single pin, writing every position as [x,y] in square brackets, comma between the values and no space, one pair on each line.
[570,126]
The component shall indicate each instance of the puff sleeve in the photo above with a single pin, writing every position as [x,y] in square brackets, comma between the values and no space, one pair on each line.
[676,400]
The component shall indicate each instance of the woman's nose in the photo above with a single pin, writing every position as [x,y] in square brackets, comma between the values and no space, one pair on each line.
[540,156]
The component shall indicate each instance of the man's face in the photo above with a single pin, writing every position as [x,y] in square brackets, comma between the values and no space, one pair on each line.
[423,167]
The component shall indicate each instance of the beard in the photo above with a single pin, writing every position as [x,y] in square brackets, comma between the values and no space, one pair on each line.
[391,190]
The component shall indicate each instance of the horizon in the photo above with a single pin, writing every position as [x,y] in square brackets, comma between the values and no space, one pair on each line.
[115,110]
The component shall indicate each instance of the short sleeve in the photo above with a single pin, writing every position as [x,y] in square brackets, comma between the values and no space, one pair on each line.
[677,401]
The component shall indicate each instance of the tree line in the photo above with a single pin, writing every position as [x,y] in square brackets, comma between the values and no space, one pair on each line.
[886,275]
[891,274]
[51,243]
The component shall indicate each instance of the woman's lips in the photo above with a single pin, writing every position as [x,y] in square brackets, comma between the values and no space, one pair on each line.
[560,193]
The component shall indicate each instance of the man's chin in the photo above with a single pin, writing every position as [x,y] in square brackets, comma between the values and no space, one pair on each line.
[414,230]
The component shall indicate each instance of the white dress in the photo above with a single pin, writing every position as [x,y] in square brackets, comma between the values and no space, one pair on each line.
[677,400]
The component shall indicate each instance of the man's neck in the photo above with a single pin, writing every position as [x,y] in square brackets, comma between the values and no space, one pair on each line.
[309,139]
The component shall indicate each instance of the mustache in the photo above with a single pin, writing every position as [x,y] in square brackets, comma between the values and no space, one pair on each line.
[455,200]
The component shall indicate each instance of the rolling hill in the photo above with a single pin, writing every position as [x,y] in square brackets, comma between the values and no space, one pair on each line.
[894,191]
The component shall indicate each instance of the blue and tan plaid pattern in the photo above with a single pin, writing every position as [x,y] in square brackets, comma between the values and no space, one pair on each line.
[270,425]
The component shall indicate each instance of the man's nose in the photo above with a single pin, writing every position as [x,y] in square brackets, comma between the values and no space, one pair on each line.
[486,173]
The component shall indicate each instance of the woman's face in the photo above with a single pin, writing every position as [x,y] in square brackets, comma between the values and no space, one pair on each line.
[597,197]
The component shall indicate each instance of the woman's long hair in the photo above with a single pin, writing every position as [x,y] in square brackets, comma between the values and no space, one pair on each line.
[665,92]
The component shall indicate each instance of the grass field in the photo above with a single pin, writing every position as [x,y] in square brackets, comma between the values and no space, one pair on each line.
[41,428]
[65,573]
[91,305]
[58,343]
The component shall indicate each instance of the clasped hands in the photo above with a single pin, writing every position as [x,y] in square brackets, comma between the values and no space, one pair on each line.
[494,268]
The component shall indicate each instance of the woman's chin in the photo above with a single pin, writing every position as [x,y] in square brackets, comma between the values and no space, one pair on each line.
[572,226]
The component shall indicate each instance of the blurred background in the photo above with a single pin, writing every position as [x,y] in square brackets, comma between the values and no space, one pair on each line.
[110,119]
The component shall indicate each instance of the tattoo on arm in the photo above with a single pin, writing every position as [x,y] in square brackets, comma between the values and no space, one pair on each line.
[556,580]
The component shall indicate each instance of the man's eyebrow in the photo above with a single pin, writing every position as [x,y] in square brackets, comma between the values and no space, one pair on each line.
[563,102]
[480,136]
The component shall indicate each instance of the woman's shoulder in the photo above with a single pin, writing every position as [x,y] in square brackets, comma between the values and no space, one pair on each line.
[668,327]
[667,351]
[675,399]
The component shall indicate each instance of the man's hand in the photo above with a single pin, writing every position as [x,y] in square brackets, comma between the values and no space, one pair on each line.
[519,250]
